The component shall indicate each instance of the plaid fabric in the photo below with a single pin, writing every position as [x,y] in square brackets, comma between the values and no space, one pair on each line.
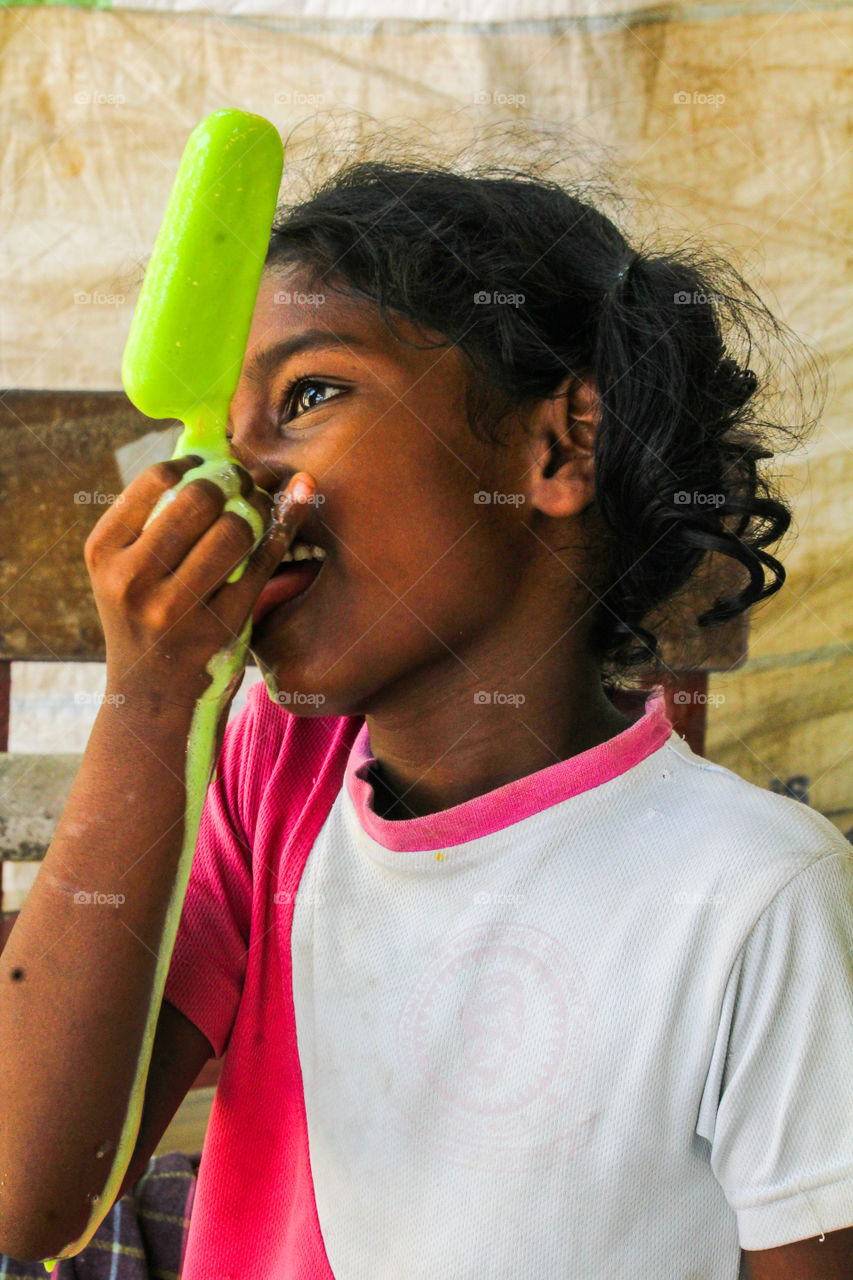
[143,1235]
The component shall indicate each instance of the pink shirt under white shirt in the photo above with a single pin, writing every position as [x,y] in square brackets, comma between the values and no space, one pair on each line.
[597,1022]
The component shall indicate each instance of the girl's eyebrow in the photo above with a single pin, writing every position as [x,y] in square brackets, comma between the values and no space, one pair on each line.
[269,358]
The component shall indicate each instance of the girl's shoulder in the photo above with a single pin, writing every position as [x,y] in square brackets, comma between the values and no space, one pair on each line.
[754,823]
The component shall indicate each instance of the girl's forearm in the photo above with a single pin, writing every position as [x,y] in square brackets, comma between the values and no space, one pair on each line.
[85,967]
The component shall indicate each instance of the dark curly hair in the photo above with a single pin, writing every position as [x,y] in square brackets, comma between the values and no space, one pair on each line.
[670,336]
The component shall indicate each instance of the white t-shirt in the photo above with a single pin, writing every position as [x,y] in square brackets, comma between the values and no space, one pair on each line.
[596,1023]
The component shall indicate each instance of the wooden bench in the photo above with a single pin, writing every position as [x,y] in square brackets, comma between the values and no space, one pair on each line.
[63,455]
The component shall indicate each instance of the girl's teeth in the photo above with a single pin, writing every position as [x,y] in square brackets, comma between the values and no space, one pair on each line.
[304,551]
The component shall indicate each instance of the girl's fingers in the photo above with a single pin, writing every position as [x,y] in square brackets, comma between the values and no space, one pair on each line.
[266,557]
[162,547]
[211,557]
[203,575]
[123,521]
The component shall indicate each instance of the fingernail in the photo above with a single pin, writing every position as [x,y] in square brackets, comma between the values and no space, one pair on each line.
[301,491]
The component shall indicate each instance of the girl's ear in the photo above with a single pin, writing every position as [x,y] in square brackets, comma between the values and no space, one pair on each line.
[561,433]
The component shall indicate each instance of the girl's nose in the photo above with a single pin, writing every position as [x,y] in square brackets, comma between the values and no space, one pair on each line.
[266,472]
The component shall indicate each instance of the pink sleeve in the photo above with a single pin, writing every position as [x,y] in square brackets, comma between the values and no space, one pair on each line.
[208,965]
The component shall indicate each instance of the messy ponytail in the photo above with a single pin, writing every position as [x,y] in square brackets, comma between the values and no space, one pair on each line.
[681,435]
[532,282]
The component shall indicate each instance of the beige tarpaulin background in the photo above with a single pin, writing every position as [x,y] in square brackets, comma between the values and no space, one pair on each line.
[736,118]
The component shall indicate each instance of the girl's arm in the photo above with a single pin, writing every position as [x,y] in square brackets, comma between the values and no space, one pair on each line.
[77,978]
[84,969]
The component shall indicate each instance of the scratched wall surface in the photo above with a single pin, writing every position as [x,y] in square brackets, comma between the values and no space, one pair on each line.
[733,119]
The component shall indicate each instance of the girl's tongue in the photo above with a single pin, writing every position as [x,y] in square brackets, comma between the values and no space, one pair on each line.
[289,580]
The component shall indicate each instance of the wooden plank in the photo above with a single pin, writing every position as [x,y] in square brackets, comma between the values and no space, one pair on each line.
[58,472]
[5,702]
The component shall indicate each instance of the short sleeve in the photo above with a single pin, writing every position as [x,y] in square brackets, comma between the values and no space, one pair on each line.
[208,965]
[778,1101]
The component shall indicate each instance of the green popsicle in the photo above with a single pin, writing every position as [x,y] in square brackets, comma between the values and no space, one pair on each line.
[182,360]
[188,337]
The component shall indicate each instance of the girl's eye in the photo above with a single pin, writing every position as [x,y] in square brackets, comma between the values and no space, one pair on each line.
[294,395]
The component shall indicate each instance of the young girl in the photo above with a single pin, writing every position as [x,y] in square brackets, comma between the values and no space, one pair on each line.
[506,984]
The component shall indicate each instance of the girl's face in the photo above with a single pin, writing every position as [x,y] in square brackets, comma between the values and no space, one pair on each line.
[420,572]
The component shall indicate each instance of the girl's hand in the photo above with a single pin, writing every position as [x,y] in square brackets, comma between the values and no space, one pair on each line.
[161,592]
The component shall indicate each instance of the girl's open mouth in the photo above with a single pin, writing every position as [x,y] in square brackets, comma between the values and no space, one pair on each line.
[291,579]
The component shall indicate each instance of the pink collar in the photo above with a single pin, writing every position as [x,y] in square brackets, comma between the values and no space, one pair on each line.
[506,805]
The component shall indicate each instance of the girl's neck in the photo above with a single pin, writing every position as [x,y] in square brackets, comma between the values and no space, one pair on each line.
[431,766]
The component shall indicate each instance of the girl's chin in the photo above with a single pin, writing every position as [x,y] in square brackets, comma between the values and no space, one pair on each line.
[278,677]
